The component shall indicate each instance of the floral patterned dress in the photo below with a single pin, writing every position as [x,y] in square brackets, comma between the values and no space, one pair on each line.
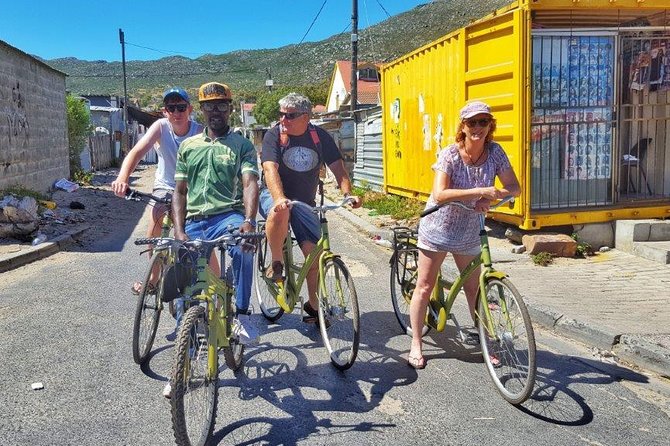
[452,228]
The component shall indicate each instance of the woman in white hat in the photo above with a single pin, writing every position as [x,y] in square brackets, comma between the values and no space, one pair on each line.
[465,171]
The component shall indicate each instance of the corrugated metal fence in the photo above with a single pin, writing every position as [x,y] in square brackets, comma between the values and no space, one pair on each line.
[368,165]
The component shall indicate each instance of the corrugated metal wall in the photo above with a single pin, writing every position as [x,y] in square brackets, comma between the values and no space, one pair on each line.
[368,166]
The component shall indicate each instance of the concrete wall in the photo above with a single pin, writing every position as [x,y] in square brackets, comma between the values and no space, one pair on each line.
[33,122]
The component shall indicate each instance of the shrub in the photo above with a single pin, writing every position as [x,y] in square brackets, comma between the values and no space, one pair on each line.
[78,128]
[542,258]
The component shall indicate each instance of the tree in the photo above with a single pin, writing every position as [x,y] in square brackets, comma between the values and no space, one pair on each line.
[266,109]
[78,128]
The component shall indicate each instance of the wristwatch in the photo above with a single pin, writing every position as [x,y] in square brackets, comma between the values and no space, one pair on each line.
[251,222]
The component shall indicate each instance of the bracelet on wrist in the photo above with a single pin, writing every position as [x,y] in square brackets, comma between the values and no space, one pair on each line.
[250,221]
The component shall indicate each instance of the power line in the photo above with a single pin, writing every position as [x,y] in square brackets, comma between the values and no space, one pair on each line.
[384,9]
[313,21]
[170,53]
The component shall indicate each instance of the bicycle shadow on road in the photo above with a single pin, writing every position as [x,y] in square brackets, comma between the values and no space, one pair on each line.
[554,398]
[281,378]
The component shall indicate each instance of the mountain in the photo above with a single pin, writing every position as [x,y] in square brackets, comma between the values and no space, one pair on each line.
[309,63]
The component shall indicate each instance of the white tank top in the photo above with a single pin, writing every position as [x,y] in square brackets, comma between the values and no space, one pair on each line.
[167,152]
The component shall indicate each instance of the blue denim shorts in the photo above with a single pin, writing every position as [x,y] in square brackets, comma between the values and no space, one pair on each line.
[304,222]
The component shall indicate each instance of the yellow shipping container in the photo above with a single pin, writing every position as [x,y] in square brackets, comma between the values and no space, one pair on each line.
[581,93]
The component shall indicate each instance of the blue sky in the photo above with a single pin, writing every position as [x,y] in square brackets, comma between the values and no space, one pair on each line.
[88,29]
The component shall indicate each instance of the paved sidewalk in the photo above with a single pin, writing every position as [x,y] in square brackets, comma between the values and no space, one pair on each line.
[614,302]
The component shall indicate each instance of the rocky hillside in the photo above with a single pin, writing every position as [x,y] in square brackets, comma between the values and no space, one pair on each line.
[305,64]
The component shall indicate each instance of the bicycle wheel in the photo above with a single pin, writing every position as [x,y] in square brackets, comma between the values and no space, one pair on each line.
[265,289]
[194,391]
[148,309]
[509,351]
[403,281]
[338,314]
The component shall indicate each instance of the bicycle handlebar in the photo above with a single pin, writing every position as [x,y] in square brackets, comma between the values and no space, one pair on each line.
[135,195]
[430,210]
[316,209]
[231,239]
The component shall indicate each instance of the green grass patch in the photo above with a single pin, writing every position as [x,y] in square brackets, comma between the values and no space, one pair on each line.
[399,208]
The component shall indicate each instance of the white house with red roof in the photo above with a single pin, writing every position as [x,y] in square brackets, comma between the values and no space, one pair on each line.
[246,112]
[339,95]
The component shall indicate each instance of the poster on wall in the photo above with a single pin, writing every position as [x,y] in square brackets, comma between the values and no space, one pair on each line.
[589,144]
[573,90]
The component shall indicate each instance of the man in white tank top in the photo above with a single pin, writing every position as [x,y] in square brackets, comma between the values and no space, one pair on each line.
[168,132]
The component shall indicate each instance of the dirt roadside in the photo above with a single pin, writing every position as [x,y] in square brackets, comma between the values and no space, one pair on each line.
[102,211]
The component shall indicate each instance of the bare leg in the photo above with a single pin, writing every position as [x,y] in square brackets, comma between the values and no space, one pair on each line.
[429,266]
[276,229]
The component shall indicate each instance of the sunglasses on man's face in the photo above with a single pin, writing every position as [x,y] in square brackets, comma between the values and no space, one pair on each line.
[483,122]
[179,107]
[290,115]
[211,106]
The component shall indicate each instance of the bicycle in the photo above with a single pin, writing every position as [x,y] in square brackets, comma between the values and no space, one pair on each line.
[503,323]
[338,311]
[206,328]
[154,292]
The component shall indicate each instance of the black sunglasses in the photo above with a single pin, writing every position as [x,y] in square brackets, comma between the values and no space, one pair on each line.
[211,106]
[483,122]
[179,107]
[291,115]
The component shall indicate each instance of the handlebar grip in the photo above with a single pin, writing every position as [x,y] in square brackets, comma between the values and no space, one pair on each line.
[431,210]
[145,241]
[252,235]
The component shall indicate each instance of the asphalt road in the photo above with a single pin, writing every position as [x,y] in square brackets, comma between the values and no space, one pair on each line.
[66,321]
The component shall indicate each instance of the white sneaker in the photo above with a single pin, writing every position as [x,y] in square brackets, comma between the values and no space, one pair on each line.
[167,390]
[245,330]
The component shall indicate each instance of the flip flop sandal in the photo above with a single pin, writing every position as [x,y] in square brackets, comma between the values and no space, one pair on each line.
[312,314]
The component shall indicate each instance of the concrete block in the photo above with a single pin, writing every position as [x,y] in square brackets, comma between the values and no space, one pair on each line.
[629,231]
[596,234]
[659,231]
[560,245]
[656,251]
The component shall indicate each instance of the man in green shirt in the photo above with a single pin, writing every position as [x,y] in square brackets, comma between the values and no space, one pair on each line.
[217,186]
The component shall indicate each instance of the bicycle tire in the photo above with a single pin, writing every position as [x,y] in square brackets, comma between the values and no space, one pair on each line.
[148,310]
[192,389]
[339,319]
[402,284]
[264,291]
[513,343]
[233,354]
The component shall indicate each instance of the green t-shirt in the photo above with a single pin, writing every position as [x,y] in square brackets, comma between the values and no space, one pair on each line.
[213,169]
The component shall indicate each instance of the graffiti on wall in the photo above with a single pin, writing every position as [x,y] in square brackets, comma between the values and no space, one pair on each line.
[18,127]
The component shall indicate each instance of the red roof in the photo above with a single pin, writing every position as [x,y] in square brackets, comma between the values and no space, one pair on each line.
[368,91]
[248,107]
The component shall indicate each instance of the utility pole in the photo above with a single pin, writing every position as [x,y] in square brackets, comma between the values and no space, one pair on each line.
[268,82]
[354,55]
[125,88]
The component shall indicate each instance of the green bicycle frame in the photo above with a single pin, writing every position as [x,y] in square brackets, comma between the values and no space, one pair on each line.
[206,287]
[441,306]
[321,253]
